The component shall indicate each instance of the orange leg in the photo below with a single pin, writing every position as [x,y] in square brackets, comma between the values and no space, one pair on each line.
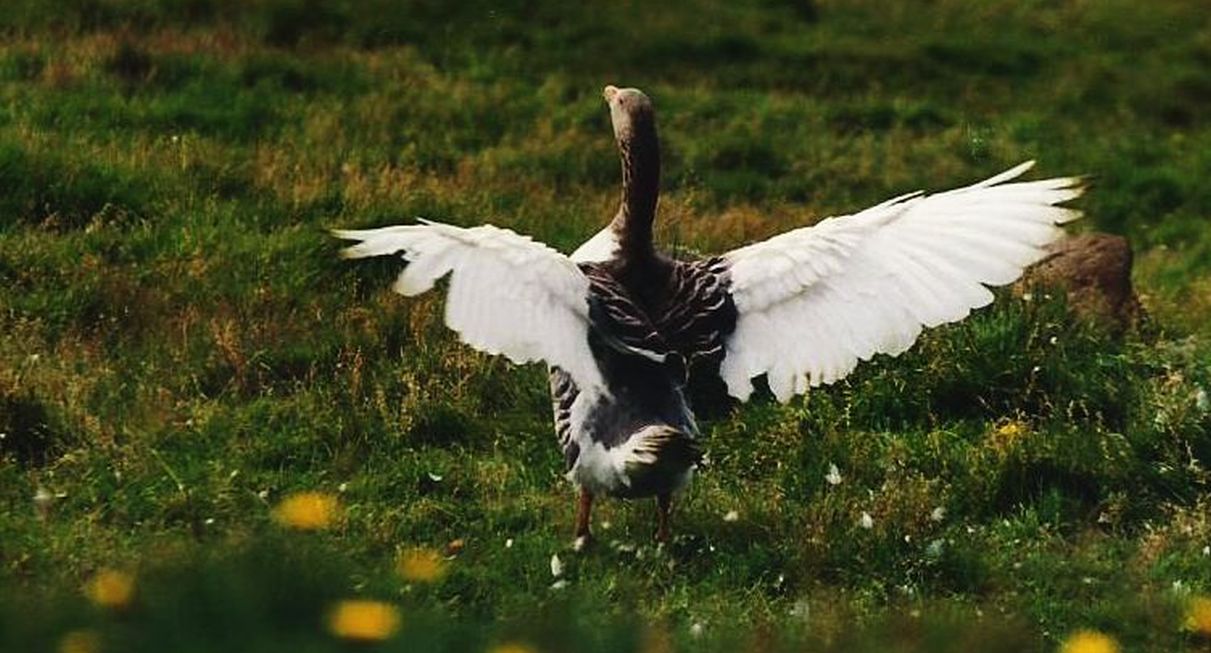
[583,536]
[664,505]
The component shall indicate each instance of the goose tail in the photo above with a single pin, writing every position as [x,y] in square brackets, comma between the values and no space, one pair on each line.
[657,459]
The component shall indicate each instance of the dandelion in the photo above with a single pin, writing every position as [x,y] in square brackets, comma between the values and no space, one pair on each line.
[1011,430]
[307,511]
[1198,615]
[1089,641]
[421,565]
[1007,435]
[80,641]
[111,589]
[512,647]
[363,621]
[833,476]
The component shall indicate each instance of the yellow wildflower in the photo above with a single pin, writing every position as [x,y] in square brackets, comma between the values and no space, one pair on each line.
[111,588]
[421,565]
[80,641]
[1089,641]
[1198,615]
[307,511]
[1008,434]
[512,647]
[365,621]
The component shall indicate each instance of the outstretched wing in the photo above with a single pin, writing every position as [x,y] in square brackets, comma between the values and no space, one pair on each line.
[813,302]
[508,294]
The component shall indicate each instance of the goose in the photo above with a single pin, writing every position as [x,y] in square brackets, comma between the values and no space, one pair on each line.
[623,326]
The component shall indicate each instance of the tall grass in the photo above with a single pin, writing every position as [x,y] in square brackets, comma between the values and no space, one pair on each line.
[180,347]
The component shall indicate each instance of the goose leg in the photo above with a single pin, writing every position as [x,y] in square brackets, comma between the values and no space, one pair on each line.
[664,505]
[583,536]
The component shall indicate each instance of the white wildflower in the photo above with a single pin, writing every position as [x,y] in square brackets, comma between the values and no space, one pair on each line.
[834,475]
[509,543]
[934,550]
[559,584]
[731,516]
[696,630]
[938,514]
[556,565]
[42,500]
[42,495]
[866,521]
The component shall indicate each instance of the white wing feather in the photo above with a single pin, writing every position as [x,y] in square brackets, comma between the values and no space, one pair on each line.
[813,302]
[508,294]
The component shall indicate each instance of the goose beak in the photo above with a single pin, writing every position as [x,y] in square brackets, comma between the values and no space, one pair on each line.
[609,92]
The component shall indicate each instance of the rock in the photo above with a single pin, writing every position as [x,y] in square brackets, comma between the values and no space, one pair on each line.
[1094,270]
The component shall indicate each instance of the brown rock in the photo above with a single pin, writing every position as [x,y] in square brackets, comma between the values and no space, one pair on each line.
[1094,270]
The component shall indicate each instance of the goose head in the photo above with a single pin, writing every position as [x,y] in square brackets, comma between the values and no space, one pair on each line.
[631,113]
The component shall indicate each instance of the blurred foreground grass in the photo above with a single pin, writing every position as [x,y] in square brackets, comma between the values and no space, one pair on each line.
[180,349]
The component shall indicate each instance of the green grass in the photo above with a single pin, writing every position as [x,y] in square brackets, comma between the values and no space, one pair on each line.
[181,348]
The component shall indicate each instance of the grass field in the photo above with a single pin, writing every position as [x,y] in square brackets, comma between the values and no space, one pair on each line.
[181,350]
